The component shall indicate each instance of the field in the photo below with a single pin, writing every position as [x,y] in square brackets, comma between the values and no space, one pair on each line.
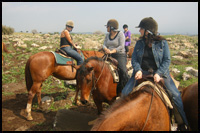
[14,93]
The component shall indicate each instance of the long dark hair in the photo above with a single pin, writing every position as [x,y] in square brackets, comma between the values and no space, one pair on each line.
[150,38]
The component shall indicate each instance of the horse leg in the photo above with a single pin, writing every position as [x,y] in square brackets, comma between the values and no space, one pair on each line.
[76,96]
[31,95]
[39,96]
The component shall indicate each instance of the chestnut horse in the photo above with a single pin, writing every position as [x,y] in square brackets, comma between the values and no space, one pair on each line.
[94,76]
[142,110]
[190,103]
[131,49]
[39,67]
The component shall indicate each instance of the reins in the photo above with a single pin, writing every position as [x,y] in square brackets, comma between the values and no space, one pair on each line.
[93,76]
[155,84]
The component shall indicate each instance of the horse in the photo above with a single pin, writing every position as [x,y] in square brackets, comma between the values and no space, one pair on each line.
[95,76]
[190,103]
[142,110]
[39,67]
[5,50]
[131,49]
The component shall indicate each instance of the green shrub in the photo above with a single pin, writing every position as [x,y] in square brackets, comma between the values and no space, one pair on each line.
[7,30]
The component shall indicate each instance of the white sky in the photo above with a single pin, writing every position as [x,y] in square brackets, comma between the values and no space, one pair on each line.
[172,17]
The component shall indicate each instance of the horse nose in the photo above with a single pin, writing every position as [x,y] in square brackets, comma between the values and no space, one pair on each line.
[84,102]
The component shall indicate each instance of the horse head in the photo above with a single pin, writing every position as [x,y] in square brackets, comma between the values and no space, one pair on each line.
[85,80]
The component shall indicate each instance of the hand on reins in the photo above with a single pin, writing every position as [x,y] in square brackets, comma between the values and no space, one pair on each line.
[138,75]
[156,78]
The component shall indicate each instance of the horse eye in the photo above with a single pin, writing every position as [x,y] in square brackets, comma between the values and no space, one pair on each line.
[89,80]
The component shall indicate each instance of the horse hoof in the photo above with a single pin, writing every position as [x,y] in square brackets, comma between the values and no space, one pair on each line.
[29,118]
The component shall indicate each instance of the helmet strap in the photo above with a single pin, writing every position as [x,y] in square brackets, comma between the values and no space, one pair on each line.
[144,35]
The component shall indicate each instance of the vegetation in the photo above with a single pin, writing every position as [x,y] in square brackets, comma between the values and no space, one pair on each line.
[7,30]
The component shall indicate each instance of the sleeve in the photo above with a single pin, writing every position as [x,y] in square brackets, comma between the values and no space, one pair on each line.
[105,41]
[134,61]
[164,66]
[121,41]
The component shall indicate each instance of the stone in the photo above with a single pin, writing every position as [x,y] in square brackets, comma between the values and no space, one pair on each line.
[43,47]
[193,71]
[177,57]
[186,76]
[185,54]
[175,70]
[46,103]
[70,120]
[35,45]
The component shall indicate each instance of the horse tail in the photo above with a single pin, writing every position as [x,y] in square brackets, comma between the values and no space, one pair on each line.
[28,77]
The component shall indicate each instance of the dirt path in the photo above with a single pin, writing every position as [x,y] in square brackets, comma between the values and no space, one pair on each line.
[14,100]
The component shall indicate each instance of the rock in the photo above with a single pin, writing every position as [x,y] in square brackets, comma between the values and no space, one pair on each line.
[177,57]
[193,71]
[70,120]
[185,54]
[186,76]
[35,45]
[175,70]
[23,46]
[70,82]
[43,47]
[46,103]
[22,128]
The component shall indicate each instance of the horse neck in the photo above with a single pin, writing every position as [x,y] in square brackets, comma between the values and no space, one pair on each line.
[100,67]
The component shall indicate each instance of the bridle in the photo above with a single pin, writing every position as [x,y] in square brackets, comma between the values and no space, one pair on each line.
[94,83]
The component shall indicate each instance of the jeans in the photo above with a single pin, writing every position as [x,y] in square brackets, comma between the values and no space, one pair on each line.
[123,75]
[74,54]
[171,88]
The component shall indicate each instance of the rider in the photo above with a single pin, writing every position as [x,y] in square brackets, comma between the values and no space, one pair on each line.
[127,34]
[152,52]
[114,45]
[66,43]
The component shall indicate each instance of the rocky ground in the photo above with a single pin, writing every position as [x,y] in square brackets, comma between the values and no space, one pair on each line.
[184,67]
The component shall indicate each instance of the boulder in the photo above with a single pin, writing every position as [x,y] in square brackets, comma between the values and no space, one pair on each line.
[177,57]
[185,54]
[193,71]
[186,76]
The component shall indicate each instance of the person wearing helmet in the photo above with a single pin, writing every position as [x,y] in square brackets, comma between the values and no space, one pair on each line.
[127,34]
[114,45]
[151,55]
[66,43]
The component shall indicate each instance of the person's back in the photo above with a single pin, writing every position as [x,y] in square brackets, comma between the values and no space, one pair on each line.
[66,43]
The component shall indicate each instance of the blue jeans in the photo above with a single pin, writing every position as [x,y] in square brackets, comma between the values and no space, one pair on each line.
[74,54]
[176,95]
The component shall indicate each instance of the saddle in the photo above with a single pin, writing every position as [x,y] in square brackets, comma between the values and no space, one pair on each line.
[112,63]
[159,88]
[62,53]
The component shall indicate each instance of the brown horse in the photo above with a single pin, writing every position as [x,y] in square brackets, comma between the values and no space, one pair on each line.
[94,75]
[39,67]
[190,103]
[142,110]
[131,49]
[5,50]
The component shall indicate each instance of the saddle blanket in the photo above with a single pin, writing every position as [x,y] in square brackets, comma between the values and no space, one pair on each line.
[62,60]
[114,71]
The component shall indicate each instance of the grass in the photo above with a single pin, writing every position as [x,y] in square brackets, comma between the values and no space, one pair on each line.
[17,59]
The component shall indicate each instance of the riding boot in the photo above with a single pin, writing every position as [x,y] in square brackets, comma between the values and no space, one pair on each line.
[177,116]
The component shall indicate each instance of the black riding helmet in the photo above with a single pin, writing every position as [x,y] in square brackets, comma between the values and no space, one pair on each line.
[125,26]
[149,24]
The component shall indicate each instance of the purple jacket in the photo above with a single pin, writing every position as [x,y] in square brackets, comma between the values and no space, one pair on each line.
[127,42]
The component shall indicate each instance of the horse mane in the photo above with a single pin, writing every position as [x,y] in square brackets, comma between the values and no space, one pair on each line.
[120,103]
[82,69]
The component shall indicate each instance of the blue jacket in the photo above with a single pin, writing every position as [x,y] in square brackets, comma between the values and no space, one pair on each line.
[161,54]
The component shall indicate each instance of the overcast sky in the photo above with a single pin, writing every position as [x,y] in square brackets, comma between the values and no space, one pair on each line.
[172,17]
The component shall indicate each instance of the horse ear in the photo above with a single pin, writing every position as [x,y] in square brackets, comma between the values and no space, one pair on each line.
[77,67]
